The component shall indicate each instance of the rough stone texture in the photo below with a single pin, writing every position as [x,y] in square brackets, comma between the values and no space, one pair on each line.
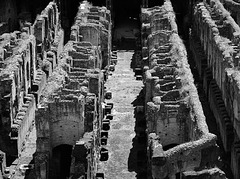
[233,6]
[74,94]
[23,78]
[176,125]
[55,93]
[216,34]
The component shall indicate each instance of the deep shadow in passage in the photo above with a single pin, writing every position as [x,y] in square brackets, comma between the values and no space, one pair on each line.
[137,160]
[225,162]
[61,161]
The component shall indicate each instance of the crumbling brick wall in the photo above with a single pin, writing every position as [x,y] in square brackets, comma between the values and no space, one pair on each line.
[23,77]
[74,94]
[218,35]
[17,77]
[178,134]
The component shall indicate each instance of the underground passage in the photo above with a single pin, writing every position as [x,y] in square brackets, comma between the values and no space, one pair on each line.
[117,89]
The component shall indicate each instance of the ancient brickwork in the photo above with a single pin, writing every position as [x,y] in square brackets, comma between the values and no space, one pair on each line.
[179,139]
[216,36]
[56,91]
[93,25]
[74,96]
[23,76]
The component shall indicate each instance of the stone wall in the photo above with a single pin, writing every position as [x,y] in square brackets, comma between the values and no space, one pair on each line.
[73,97]
[179,139]
[215,35]
[233,6]
[23,76]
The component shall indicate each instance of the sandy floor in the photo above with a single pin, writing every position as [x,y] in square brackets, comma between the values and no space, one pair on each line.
[125,89]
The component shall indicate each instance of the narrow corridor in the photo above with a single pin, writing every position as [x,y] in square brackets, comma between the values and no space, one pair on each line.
[122,162]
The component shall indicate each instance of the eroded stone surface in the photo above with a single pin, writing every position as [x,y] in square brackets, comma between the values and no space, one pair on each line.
[53,95]
[218,38]
[173,109]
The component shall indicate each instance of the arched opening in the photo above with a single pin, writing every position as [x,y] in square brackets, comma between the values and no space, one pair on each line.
[169,146]
[61,161]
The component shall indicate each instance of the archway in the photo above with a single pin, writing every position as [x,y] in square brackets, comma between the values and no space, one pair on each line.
[61,161]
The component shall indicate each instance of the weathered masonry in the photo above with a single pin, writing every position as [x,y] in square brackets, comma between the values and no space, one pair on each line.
[57,89]
[179,139]
[23,75]
[215,45]
[55,59]
[70,112]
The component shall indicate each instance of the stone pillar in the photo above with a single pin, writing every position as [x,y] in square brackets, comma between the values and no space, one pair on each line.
[152,116]
[42,154]
[39,32]
[148,90]
[41,165]
[154,82]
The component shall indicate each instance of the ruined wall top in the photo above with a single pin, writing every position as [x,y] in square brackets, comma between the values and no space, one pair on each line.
[13,45]
[171,96]
[81,58]
[224,32]
[150,16]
